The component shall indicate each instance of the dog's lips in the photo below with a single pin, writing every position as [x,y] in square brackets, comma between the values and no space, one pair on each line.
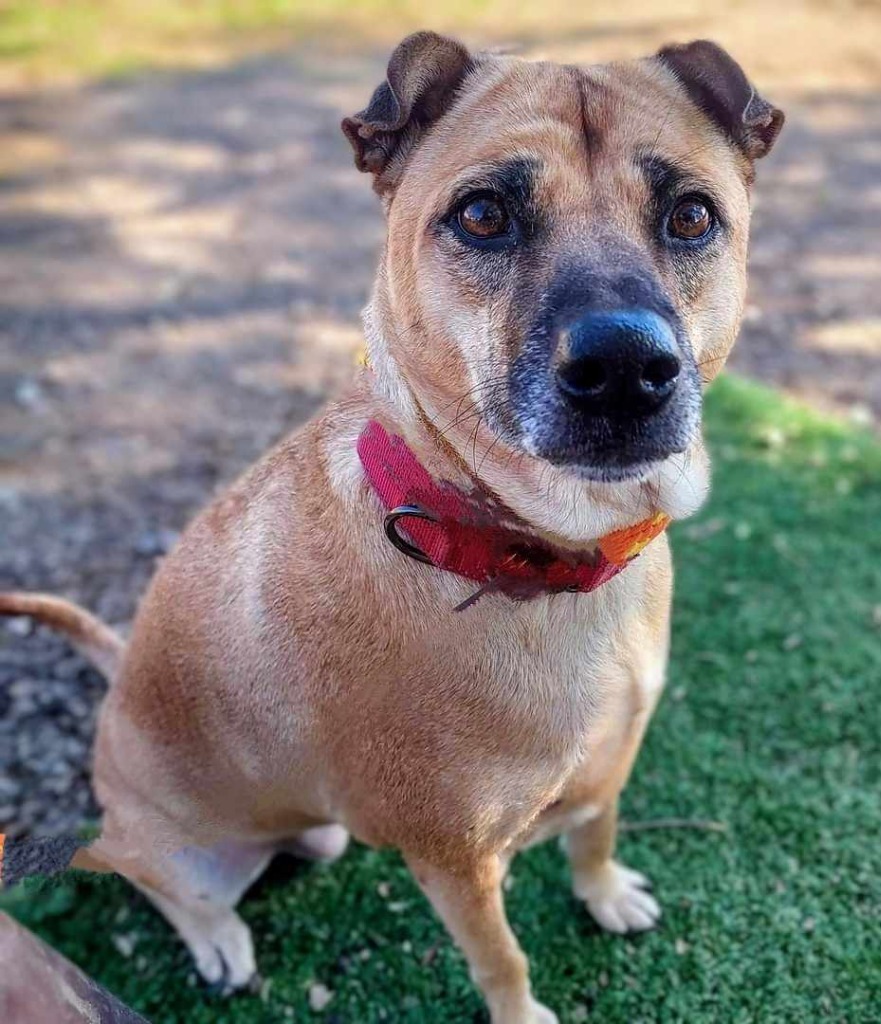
[614,474]
[613,469]
[608,452]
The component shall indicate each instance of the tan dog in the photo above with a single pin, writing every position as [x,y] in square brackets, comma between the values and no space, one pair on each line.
[565,264]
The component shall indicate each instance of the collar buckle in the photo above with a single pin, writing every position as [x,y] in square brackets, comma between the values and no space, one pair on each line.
[404,546]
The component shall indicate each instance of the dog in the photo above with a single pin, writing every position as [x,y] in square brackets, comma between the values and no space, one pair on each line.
[436,617]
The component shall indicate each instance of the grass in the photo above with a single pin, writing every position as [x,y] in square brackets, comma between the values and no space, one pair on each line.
[45,39]
[771,724]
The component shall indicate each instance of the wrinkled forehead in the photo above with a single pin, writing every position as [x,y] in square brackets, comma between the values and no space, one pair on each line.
[581,132]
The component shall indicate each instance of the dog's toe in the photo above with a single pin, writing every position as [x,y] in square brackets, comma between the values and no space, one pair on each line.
[617,900]
[225,959]
[214,971]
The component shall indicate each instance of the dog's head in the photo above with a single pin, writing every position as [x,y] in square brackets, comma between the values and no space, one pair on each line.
[566,246]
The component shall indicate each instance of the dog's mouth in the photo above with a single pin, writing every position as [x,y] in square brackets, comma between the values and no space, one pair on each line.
[606,452]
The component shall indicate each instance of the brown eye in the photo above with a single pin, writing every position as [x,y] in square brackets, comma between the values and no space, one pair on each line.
[690,219]
[484,217]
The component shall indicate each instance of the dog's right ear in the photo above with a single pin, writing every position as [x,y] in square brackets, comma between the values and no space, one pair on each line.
[423,74]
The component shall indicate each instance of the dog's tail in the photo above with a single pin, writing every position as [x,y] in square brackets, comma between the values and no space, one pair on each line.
[99,643]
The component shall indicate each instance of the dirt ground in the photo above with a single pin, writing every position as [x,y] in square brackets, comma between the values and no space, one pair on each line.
[182,262]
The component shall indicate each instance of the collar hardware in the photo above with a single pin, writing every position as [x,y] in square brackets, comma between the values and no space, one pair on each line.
[403,545]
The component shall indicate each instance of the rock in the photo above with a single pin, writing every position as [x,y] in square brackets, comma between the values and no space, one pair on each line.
[30,395]
[21,625]
[319,997]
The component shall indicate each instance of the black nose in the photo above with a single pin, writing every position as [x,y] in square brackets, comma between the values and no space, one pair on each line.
[625,362]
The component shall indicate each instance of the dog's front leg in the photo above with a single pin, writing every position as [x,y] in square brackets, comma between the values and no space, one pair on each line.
[469,902]
[615,896]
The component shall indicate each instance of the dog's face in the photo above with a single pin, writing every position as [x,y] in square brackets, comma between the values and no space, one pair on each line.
[566,247]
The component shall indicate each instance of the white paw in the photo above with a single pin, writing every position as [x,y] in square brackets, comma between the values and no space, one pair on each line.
[516,1011]
[542,1015]
[617,899]
[323,843]
[225,958]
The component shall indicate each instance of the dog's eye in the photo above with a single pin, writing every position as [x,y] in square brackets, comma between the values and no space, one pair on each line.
[690,219]
[483,217]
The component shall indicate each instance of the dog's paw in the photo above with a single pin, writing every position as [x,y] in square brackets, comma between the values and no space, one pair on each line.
[225,959]
[617,900]
[542,1015]
[325,843]
[530,1012]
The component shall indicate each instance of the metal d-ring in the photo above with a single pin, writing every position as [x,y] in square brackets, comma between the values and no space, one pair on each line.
[391,531]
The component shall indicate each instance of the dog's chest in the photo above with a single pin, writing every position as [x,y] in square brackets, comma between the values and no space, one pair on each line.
[471,739]
[530,689]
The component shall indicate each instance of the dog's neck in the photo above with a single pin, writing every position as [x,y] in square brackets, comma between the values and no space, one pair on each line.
[558,504]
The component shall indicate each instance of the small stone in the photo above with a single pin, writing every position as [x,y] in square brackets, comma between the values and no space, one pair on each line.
[681,946]
[792,642]
[30,395]
[384,890]
[319,997]
[125,943]
[809,924]
[21,625]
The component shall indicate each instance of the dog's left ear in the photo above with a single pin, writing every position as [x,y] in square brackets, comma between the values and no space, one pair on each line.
[717,84]
[422,76]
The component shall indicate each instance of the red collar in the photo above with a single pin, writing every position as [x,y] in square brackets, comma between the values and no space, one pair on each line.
[475,536]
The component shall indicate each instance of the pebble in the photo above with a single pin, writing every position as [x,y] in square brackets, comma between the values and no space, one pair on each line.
[319,997]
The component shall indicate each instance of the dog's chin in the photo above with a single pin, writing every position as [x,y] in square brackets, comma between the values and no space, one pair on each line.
[629,460]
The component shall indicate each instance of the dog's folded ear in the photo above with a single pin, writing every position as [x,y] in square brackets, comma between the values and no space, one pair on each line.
[423,74]
[717,84]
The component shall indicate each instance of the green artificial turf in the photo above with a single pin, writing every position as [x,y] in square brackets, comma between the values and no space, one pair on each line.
[770,724]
